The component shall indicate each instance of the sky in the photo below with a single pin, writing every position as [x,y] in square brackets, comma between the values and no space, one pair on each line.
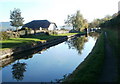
[57,10]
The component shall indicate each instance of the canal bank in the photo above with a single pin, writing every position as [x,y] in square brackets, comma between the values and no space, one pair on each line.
[90,69]
[8,52]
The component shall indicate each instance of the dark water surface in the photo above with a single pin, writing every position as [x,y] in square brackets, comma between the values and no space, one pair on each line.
[49,64]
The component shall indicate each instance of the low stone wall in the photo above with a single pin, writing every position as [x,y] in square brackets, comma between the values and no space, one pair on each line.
[6,52]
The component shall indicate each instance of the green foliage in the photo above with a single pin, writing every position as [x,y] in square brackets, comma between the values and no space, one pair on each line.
[114,22]
[4,36]
[77,21]
[15,42]
[97,22]
[16,19]
[66,34]
[107,21]
[27,30]
[10,34]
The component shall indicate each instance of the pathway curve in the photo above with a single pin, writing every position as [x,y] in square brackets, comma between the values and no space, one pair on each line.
[109,72]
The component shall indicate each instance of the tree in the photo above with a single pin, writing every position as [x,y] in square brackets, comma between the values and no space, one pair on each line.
[77,21]
[16,18]
[97,22]
[85,22]
[70,20]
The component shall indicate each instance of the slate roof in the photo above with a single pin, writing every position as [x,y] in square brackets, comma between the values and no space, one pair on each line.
[36,24]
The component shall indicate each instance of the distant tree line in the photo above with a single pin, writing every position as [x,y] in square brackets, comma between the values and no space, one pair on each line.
[114,22]
[78,22]
[107,21]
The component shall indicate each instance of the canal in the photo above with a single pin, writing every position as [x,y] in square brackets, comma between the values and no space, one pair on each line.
[48,64]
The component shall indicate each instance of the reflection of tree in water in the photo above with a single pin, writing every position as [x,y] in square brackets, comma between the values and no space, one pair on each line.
[95,35]
[77,43]
[18,70]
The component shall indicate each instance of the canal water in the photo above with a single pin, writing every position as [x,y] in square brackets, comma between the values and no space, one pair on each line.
[49,64]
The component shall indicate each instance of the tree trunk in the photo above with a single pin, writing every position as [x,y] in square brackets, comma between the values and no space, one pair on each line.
[17,35]
[73,28]
[34,31]
[25,31]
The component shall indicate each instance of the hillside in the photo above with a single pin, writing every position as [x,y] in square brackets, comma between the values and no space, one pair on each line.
[5,25]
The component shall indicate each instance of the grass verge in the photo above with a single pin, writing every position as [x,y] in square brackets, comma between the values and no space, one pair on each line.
[89,70]
[69,34]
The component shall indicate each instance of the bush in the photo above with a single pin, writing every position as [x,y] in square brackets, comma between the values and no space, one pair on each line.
[47,33]
[4,36]
[8,34]
[52,32]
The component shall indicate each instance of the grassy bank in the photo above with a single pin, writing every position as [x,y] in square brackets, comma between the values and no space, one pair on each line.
[89,70]
[66,34]
[113,41]
[69,34]
[15,42]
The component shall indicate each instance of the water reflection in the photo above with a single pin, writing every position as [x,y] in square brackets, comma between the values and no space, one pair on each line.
[94,35]
[77,43]
[18,70]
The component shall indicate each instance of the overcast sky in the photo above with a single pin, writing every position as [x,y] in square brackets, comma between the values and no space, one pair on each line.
[57,10]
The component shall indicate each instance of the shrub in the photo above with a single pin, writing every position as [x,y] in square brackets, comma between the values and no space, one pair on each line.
[47,33]
[4,36]
[8,34]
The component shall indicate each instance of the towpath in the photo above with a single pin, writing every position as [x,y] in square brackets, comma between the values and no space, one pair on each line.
[109,71]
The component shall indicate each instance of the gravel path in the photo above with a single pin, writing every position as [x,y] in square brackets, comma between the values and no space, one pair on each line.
[109,72]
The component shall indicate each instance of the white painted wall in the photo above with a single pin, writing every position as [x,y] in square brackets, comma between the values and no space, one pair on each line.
[52,27]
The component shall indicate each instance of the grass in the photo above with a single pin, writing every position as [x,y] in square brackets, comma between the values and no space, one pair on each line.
[114,42]
[89,70]
[66,34]
[42,37]
[69,34]
[15,42]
